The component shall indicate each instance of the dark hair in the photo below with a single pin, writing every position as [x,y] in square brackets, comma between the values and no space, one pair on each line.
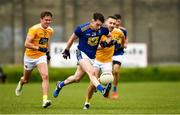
[98,16]
[45,13]
[113,17]
[118,16]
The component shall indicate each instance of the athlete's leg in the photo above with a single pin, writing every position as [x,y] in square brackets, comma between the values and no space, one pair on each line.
[86,64]
[116,76]
[76,77]
[26,76]
[24,79]
[29,65]
[43,70]
[88,68]
[91,89]
[116,66]
[71,79]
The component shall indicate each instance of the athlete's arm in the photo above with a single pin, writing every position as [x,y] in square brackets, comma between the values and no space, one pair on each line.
[72,38]
[125,39]
[28,43]
[126,42]
[66,52]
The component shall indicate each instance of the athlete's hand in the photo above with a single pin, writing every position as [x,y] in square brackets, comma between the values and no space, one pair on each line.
[103,44]
[41,49]
[111,43]
[48,55]
[66,54]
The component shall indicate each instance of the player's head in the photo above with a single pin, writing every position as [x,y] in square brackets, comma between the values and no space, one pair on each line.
[97,21]
[45,18]
[110,22]
[118,20]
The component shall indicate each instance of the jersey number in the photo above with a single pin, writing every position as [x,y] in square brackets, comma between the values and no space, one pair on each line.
[43,41]
[93,41]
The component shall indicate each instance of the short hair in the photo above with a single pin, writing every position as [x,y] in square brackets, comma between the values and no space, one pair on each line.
[98,16]
[118,16]
[45,13]
[113,17]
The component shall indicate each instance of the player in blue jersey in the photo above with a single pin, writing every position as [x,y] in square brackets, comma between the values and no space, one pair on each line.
[89,35]
[103,60]
[118,54]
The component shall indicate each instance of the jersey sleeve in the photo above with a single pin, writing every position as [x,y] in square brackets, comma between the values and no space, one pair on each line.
[78,31]
[52,32]
[105,31]
[125,32]
[31,32]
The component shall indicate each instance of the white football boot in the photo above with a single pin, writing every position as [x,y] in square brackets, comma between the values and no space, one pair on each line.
[18,90]
[86,106]
[46,103]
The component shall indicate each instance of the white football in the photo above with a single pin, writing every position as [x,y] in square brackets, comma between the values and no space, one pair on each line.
[106,77]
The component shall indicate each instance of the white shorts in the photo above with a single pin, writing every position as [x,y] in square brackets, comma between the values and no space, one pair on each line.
[30,63]
[104,67]
[81,55]
[118,58]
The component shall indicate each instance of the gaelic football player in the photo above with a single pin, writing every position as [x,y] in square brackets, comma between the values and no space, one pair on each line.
[89,35]
[36,45]
[103,60]
[118,53]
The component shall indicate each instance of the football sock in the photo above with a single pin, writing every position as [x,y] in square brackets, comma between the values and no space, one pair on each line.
[100,88]
[21,81]
[44,97]
[87,100]
[115,89]
[61,84]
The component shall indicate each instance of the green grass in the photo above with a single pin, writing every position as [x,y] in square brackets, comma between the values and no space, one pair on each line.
[152,73]
[135,97]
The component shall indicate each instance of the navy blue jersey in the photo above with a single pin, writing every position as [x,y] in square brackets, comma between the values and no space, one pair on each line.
[118,49]
[89,39]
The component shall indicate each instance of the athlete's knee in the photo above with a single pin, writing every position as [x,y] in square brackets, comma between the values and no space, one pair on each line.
[78,76]
[45,76]
[77,79]
[116,70]
[91,73]
[116,73]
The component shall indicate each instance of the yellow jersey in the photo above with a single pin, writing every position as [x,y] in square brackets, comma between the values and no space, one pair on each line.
[118,35]
[105,55]
[41,37]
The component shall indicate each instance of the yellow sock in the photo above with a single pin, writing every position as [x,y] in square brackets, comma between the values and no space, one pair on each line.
[45,97]
[87,100]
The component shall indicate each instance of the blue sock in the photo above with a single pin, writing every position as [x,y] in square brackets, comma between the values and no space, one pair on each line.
[100,88]
[61,84]
[114,89]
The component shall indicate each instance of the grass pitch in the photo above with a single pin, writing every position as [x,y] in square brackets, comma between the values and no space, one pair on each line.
[135,98]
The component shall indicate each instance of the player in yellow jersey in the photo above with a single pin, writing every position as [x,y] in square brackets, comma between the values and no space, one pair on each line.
[118,53]
[36,54]
[103,60]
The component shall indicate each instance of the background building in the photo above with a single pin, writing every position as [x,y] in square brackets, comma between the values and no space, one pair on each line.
[154,22]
